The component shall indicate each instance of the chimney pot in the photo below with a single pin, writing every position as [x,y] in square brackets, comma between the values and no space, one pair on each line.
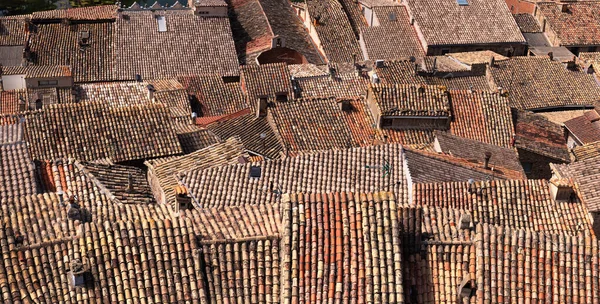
[551,55]
[486,164]
[492,61]
[129,183]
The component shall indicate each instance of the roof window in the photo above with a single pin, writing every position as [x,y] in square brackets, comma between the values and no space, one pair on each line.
[162,23]
[462,2]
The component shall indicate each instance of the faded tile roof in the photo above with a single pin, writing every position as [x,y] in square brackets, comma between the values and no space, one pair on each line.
[355,15]
[411,100]
[338,85]
[587,151]
[408,137]
[11,55]
[428,167]
[518,204]
[92,13]
[586,174]
[13,101]
[113,182]
[11,132]
[586,128]
[13,30]
[527,23]
[477,57]
[535,133]
[479,22]
[195,43]
[249,129]
[341,247]
[92,130]
[443,64]
[394,38]
[215,97]
[577,26]
[37,71]
[193,138]
[476,82]
[308,70]
[165,170]
[251,29]
[266,80]
[399,72]
[502,157]
[18,171]
[357,169]
[482,116]
[56,44]
[538,83]
[321,124]
[334,31]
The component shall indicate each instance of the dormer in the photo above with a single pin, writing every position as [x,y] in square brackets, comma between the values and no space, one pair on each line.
[209,8]
[15,78]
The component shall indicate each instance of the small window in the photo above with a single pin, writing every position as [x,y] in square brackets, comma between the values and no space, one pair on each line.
[386,122]
[462,2]
[281,97]
[392,17]
[42,83]
[162,23]
[527,167]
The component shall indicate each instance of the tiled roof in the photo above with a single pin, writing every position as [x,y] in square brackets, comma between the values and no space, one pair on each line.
[58,44]
[538,82]
[469,149]
[476,57]
[587,151]
[428,167]
[11,132]
[518,204]
[210,3]
[266,80]
[399,72]
[478,82]
[214,95]
[334,31]
[165,170]
[193,138]
[537,134]
[113,181]
[92,130]
[339,85]
[444,64]
[577,26]
[13,31]
[11,55]
[151,260]
[236,222]
[11,101]
[482,116]
[37,71]
[527,23]
[321,124]
[250,27]
[308,70]
[408,137]
[195,43]
[18,172]
[92,13]
[357,169]
[394,38]
[586,128]
[586,174]
[341,247]
[411,100]
[249,129]
[355,15]
[479,22]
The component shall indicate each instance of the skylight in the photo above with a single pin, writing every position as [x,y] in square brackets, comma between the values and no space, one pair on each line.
[462,2]
[162,23]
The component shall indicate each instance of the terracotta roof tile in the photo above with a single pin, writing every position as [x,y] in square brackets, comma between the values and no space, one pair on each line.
[479,22]
[214,96]
[250,129]
[537,134]
[18,171]
[585,173]
[93,13]
[477,57]
[341,85]
[308,70]
[341,247]
[408,137]
[251,29]
[578,25]
[266,80]
[14,30]
[538,83]
[527,23]
[411,100]
[334,31]
[196,44]
[586,128]
[37,71]
[193,138]
[13,101]
[482,116]
[12,132]
[321,124]
[518,204]
[357,169]
[162,172]
[587,151]
[92,130]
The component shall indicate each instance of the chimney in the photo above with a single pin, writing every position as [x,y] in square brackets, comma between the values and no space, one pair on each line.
[421,90]
[551,55]
[486,163]
[78,273]
[466,289]
[345,105]
[416,69]
[492,61]
[354,59]
[434,68]
[129,183]
[261,107]
[138,77]
[564,8]
[151,91]
[466,221]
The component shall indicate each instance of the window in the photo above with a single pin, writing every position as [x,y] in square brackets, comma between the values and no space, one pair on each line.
[281,97]
[527,167]
[43,83]
[386,122]
[203,13]
[462,2]
[162,23]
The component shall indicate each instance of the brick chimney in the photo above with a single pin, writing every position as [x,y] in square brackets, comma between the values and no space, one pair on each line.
[486,163]
[151,91]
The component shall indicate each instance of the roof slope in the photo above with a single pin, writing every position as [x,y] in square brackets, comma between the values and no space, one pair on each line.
[340,85]
[586,128]
[587,151]
[18,172]
[13,30]
[266,80]
[535,133]
[357,169]
[194,43]
[214,96]
[527,23]
[92,130]
[538,83]
[578,25]
[411,100]
[319,124]
[444,22]
[586,173]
